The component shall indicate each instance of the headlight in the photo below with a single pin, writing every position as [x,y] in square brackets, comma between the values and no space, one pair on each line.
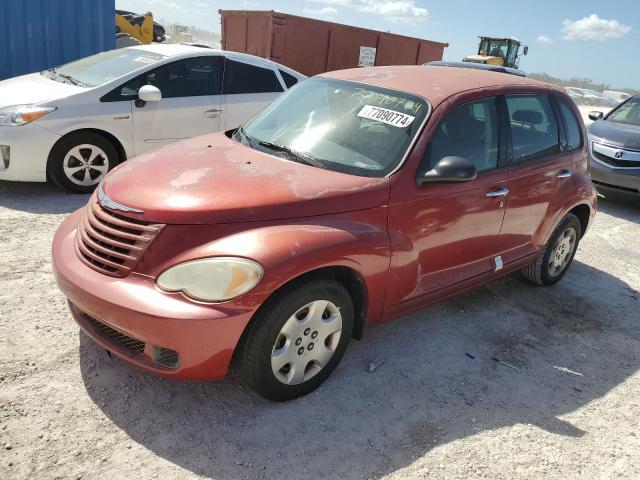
[214,279]
[17,115]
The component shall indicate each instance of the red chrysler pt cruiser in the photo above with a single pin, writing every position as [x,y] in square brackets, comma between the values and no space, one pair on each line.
[358,196]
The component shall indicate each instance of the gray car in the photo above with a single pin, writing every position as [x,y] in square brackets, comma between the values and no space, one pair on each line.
[615,147]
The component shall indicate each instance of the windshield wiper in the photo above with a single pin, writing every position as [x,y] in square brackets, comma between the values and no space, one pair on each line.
[75,82]
[297,156]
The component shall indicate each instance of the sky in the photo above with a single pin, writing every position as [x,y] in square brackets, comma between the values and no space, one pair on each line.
[597,39]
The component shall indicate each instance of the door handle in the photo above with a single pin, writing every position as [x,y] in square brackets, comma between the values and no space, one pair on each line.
[503,192]
[214,112]
[564,173]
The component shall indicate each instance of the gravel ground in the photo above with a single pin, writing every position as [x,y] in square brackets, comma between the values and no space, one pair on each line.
[571,410]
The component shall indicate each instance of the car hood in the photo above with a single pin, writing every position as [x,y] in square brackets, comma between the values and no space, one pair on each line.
[213,179]
[33,88]
[618,134]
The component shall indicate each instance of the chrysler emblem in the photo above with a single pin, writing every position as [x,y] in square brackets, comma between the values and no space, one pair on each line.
[106,202]
[619,154]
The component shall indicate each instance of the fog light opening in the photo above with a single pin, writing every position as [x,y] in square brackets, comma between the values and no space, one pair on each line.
[5,155]
[166,357]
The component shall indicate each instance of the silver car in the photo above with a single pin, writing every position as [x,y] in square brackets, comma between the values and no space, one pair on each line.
[615,147]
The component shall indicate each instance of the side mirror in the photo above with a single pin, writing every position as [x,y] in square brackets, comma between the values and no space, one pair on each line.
[595,116]
[525,50]
[449,170]
[149,93]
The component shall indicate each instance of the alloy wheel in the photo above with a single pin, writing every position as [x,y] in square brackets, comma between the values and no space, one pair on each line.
[85,165]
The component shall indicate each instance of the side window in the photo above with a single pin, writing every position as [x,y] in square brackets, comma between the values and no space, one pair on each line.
[574,137]
[192,77]
[289,80]
[534,129]
[241,77]
[469,131]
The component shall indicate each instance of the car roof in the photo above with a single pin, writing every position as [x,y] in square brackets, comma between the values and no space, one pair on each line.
[434,83]
[478,66]
[169,49]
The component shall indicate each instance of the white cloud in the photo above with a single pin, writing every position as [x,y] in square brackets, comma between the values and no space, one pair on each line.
[545,40]
[326,11]
[398,10]
[593,28]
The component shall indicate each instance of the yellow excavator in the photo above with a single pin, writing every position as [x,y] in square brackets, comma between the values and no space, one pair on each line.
[498,51]
[134,29]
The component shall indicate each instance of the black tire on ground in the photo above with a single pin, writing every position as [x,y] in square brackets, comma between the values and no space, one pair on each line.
[97,168]
[257,349]
[540,271]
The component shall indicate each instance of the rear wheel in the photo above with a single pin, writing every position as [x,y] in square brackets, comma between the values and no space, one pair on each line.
[297,340]
[556,257]
[79,162]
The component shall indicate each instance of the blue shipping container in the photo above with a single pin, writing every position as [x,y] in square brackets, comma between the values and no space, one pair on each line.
[40,34]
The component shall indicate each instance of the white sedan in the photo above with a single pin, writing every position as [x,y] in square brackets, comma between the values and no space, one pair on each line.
[74,123]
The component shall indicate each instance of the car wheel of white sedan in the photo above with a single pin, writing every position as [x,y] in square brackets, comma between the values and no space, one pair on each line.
[79,162]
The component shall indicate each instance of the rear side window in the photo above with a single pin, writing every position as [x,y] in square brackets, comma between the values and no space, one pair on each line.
[289,80]
[469,131]
[192,77]
[574,137]
[534,129]
[244,78]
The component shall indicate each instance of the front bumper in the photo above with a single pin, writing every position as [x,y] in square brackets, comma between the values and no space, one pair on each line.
[619,178]
[203,335]
[29,147]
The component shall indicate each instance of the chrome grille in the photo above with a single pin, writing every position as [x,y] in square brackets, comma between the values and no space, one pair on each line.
[608,155]
[112,243]
[614,162]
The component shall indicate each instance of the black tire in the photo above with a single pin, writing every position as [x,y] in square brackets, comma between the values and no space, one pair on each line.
[55,163]
[256,351]
[540,272]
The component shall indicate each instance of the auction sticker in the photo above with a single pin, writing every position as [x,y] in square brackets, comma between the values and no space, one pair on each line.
[384,115]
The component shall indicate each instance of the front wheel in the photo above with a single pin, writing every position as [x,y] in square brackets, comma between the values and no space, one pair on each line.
[297,340]
[556,256]
[79,162]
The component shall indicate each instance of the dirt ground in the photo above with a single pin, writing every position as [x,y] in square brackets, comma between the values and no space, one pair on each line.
[571,410]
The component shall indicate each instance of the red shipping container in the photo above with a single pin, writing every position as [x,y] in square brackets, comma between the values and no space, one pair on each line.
[315,46]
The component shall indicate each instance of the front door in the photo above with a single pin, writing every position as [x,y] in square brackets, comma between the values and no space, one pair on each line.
[191,103]
[538,172]
[447,234]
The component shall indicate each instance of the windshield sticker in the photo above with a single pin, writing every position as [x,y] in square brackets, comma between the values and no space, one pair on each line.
[390,117]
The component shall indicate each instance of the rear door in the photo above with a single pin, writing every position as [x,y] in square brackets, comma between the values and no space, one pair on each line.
[191,102]
[247,90]
[539,174]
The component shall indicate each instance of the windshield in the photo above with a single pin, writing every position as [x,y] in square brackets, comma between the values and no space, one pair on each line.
[337,125]
[628,112]
[103,67]
[494,48]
